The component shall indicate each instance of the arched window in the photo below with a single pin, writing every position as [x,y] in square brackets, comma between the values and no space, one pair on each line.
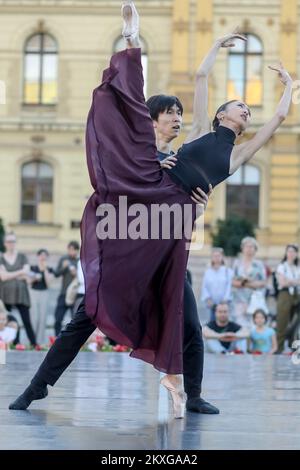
[242,196]
[37,192]
[40,70]
[245,62]
[120,45]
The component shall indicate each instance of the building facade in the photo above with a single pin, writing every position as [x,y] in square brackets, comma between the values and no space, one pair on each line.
[52,53]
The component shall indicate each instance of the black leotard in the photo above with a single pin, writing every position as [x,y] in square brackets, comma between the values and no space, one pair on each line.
[204,161]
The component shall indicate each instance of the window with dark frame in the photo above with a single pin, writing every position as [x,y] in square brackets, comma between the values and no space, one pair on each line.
[40,70]
[37,192]
[245,66]
[242,194]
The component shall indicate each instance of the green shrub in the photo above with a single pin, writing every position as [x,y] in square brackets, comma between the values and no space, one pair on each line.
[230,232]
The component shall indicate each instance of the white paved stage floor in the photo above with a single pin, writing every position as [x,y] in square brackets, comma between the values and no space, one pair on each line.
[111,401]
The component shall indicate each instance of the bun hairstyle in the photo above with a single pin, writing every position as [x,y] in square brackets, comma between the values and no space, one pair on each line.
[223,107]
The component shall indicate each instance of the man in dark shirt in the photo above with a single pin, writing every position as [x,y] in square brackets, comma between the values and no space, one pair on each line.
[224,336]
[166,113]
[67,268]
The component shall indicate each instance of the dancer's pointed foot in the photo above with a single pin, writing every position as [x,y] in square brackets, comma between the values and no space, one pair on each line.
[198,405]
[30,394]
[131,24]
[174,384]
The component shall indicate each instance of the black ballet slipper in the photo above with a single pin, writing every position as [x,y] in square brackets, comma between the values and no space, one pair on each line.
[30,394]
[198,405]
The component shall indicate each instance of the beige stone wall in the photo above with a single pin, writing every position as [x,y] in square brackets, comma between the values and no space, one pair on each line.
[178,33]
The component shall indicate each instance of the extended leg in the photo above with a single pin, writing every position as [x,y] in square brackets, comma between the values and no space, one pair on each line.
[58,358]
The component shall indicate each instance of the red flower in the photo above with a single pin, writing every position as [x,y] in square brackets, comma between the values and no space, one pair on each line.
[38,347]
[120,348]
[52,340]
[100,340]
[238,351]
[20,347]
[257,353]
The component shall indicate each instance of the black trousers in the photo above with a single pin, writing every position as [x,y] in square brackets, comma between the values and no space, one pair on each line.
[25,315]
[60,311]
[76,333]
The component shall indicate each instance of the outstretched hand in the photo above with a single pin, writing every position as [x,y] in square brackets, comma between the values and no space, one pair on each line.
[283,74]
[228,40]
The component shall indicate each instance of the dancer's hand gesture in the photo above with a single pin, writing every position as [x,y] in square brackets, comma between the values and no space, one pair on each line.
[228,40]
[283,74]
[168,162]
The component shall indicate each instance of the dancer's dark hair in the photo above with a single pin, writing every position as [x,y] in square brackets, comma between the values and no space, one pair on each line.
[223,107]
[158,104]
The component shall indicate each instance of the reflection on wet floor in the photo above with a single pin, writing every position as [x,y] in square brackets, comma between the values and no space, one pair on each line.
[111,401]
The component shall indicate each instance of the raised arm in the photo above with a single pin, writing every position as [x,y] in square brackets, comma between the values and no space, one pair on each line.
[201,123]
[244,152]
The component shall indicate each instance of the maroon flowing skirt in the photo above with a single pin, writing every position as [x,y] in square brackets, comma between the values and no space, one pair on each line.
[134,288]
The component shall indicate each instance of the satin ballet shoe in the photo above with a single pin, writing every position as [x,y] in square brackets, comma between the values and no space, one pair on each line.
[177,394]
[131,21]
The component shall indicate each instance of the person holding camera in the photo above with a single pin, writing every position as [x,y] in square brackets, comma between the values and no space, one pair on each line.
[67,269]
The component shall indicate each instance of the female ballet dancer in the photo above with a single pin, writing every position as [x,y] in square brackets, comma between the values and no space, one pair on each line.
[134,288]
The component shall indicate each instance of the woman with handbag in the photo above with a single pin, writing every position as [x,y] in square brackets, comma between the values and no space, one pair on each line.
[249,283]
[288,278]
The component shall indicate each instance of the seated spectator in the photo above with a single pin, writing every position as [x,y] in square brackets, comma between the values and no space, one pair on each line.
[216,286]
[224,336]
[7,333]
[262,337]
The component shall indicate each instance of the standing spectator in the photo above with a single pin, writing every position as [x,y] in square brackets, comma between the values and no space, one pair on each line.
[67,268]
[40,279]
[81,285]
[262,337]
[14,271]
[223,335]
[288,278]
[249,283]
[216,286]
[76,289]
[7,333]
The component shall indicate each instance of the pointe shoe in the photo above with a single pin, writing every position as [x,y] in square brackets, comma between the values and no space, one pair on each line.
[177,394]
[131,21]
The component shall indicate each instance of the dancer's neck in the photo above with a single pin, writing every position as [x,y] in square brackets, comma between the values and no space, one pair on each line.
[162,145]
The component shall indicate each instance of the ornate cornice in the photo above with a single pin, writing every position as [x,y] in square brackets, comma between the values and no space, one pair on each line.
[288,27]
[180,26]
